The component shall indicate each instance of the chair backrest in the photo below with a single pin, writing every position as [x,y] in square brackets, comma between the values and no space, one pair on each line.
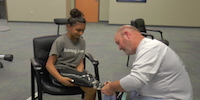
[60,21]
[42,47]
[139,24]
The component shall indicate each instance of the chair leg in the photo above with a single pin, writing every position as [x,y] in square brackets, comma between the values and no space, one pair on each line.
[39,86]
[82,96]
[32,84]
[99,95]
[39,95]
[58,29]
[119,96]
[128,60]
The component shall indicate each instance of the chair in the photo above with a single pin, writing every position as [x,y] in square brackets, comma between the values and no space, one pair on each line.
[140,25]
[41,48]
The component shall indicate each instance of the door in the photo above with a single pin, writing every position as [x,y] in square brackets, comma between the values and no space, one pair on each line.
[90,9]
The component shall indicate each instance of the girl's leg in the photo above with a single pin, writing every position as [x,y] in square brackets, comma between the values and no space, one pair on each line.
[90,93]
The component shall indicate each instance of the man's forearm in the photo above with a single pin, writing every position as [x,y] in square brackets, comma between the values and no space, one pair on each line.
[115,86]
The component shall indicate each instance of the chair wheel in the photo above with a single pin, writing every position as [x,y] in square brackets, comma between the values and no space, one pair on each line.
[8,57]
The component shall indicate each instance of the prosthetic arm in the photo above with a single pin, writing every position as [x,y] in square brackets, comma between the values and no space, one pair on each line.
[85,78]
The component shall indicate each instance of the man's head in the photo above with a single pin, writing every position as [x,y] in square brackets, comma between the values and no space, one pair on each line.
[128,38]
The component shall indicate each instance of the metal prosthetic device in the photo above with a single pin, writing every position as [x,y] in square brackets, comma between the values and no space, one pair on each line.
[85,78]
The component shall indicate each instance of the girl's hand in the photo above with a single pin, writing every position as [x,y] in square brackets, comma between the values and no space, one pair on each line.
[66,81]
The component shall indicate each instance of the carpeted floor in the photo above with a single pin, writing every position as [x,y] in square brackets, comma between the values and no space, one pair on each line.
[15,76]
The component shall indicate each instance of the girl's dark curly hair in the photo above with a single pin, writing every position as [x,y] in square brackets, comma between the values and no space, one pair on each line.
[76,16]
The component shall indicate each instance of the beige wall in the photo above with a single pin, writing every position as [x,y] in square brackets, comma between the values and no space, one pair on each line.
[104,10]
[156,12]
[72,4]
[36,10]
[46,10]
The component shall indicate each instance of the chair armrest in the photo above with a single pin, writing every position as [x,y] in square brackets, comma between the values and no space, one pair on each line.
[153,30]
[95,62]
[147,34]
[35,64]
[92,59]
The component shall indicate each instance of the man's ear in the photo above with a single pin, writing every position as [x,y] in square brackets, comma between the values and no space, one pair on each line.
[127,34]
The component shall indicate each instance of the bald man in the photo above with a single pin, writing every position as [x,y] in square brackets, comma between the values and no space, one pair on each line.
[157,72]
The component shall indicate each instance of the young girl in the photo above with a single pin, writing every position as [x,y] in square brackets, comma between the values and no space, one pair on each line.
[68,51]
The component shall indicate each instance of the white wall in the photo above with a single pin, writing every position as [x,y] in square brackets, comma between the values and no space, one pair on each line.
[36,10]
[157,12]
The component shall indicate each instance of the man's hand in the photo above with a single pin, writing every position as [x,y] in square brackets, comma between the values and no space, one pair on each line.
[107,89]
[66,81]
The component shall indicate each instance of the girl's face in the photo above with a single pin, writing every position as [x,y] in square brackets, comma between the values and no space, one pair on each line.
[75,31]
